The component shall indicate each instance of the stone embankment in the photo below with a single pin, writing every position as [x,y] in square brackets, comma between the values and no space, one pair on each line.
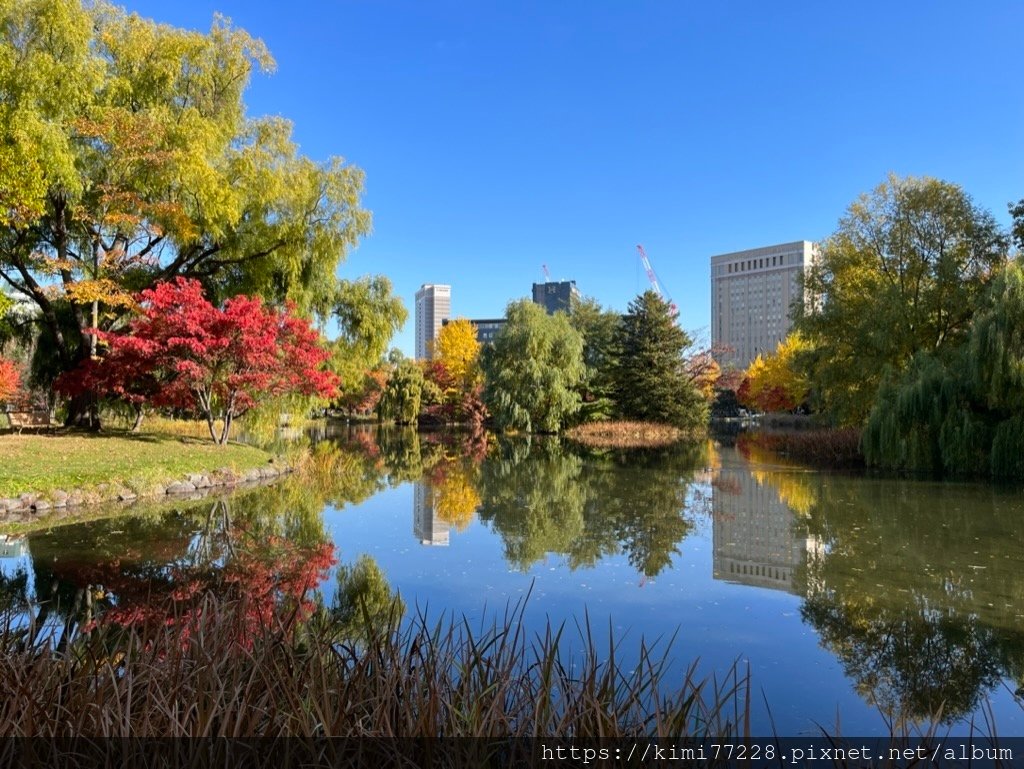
[60,504]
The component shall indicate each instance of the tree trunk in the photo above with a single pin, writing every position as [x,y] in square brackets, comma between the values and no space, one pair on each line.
[83,411]
[140,414]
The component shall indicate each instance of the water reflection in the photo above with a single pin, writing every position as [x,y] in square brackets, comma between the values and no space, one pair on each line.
[757,538]
[915,589]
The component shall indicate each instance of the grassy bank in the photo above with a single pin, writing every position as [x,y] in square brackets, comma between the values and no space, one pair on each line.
[625,435]
[81,461]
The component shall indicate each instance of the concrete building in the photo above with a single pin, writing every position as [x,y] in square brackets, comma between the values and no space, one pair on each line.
[486,328]
[751,294]
[433,307]
[555,295]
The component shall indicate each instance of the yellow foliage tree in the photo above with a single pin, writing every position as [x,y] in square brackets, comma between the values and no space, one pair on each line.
[457,348]
[773,382]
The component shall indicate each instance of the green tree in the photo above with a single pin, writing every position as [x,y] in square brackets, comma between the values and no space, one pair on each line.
[651,379]
[402,394]
[128,159]
[533,370]
[598,327]
[368,315]
[962,415]
[902,275]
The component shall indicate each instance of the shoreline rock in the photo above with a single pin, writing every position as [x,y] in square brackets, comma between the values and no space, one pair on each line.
[64,503]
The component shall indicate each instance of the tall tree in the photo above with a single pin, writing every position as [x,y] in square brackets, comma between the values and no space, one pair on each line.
[651,378]
[128,159]
[902,275]
[368,315]
[533,370]
[964,416]
[597,326]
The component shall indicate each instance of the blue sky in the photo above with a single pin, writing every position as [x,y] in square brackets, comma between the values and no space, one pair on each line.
[500,136]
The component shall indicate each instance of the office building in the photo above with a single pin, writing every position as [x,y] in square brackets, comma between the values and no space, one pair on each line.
[486,328]
[433,307]
[555,295]
[751,295]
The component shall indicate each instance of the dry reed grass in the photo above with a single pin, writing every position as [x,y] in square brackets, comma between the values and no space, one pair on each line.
[430,680]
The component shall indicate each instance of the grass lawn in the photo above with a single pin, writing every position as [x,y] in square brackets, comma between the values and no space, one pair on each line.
[44,463]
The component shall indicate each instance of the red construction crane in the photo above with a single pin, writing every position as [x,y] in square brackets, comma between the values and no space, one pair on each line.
[655,284]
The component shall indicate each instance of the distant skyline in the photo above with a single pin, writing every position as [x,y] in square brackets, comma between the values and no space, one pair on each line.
[497,137]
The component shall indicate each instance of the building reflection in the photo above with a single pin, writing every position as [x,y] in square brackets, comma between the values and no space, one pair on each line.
[427,526]
[757,538]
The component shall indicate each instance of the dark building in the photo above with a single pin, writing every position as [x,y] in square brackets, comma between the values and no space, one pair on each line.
[486,328]
[554,296]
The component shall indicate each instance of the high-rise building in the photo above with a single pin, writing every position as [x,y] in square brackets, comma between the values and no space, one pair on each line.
[555,295]
[751,294]
[433,307]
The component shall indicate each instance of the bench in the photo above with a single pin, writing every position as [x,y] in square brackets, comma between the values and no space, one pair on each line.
[33,420]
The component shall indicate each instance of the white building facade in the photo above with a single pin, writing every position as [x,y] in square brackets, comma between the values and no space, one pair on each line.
[433,307]
[751,294]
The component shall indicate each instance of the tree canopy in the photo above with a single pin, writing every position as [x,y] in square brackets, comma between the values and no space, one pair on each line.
[533,369]
[902,275]
[128,158]
[184,352]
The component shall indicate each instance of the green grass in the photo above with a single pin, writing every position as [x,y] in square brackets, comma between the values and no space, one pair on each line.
[80,461]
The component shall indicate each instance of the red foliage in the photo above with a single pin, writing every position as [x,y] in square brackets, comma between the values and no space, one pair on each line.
[184,352]
[268,582]
[743,392]
[10,380]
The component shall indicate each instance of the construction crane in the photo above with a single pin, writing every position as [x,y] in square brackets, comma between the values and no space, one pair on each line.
[655,284]
[547,275]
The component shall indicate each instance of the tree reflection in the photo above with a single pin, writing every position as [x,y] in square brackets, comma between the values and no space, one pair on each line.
[941,628]
[364,605]
[542,498]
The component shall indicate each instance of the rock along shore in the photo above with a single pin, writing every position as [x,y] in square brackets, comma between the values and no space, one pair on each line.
[60,504]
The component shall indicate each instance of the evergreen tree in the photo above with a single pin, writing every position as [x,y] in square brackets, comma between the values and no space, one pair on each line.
[651,382]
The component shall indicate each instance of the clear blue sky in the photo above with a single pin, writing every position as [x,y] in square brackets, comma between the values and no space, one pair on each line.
[500,136]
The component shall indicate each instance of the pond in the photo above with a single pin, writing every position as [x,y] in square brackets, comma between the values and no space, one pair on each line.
[864,599]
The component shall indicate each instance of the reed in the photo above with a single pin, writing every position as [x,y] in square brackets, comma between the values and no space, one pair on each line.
[431,679]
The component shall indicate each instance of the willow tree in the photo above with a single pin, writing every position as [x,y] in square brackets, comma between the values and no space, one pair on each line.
[127,157]
[901,276]
[965,416]
[533,370]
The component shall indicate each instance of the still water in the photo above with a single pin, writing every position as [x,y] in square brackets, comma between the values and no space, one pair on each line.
[857,601]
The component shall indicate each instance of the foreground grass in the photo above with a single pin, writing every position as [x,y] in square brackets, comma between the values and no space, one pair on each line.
[206,670]
[83,461]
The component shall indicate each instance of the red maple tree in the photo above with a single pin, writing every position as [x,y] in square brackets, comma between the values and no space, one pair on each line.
[9,379]
[184,352]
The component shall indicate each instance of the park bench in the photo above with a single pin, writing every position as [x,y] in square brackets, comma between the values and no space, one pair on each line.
[33,420]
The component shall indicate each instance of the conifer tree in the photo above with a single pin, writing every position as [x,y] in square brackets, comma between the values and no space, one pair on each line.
[651,381]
